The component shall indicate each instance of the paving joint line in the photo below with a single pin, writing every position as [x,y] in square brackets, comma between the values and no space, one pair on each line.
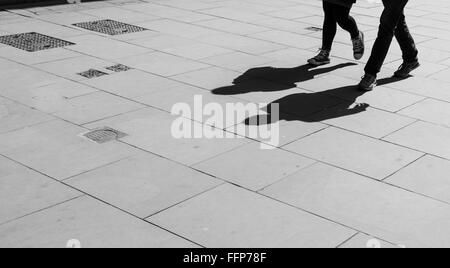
[104,202]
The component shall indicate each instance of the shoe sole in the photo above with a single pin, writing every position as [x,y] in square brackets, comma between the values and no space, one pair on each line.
[358,56]
[361,55]
[316,63]
[368,89]
[397,75]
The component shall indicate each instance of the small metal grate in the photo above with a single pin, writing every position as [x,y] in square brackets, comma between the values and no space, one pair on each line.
[109,27]
[33,42]
[314,29]
[104,135]
[92,73]
[119,68]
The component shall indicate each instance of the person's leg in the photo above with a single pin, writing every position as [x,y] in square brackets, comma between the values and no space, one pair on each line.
[328,34]
[393,11]
[409,49]
[329,26]
[406,41]
[345,21]
[348,23]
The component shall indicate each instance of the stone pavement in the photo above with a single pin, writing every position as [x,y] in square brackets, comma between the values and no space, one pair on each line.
[336,180]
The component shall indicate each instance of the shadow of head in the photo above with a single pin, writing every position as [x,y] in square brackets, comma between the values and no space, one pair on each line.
[316,106]
[269,79]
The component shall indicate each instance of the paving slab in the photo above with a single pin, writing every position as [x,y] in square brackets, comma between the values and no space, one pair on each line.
[15,116]
[104,48]
[365,241]
[387,212]
[218,218]
[231,26]
[72,67]
[88,221]
[24,191]
[237,61]
[149,184]
[234,14]
[166,12]
[252,168]
[120,14]
[243,44]
[288,39]
[290,131]
[133,83]
[366,120]
[208,78]
[48,98]
[56,149]
[92,107]
[367,156]
[43,56]
[177,28]
[427,176]
[429,110]
[150,130]
[13,76]
[161,41]
[189,95]
[196,51]
[425,137]
[162,64]
[423,87]
[42,27]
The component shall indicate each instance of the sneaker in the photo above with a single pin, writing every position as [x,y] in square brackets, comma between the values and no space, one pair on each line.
[406,68]
[368,82]
[358,46]
[321,59]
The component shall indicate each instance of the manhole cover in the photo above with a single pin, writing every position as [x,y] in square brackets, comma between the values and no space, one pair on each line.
[314,29]
[118,68]
[33,42]
[110,27]
[92,73]
[105,134]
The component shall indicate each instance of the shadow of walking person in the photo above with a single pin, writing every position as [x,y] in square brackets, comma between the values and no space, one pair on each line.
[317,106]
[269,79]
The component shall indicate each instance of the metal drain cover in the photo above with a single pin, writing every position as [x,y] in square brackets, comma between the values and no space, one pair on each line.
[92,73]
[103,135]
[33,42]
[119,68]
[110,27]
[314,29]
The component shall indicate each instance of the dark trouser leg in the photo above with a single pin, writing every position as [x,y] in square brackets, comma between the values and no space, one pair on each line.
[347,22]
[406,41]
[393,11]
[329,26]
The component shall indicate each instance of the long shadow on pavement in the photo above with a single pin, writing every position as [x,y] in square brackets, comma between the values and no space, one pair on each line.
[306,107]
[269,79]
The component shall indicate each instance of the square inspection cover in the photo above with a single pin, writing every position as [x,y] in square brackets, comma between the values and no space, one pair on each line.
[33,42]
[103,135]
[110,27]
[119,68]
[92,73]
